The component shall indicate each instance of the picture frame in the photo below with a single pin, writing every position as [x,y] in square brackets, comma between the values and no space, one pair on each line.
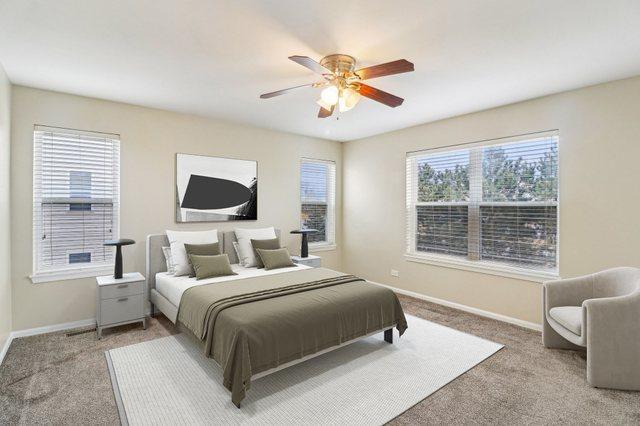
[215,189]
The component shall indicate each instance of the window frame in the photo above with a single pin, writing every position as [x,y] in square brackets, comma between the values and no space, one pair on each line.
[77,270]
[456,262]
[330,243]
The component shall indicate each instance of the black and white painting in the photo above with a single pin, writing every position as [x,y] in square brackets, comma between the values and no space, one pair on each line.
[214,189]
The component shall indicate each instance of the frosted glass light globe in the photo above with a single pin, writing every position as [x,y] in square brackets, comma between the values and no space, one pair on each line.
[330,95]
[348,99]
[351,97]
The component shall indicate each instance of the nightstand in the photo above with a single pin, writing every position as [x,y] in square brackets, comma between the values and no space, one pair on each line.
[311,260]
[120,301]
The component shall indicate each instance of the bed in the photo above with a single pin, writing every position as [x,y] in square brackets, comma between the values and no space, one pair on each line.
[258,322]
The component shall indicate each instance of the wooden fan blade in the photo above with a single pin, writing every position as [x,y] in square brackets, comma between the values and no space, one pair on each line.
[390,68]
[283,91]
[323,113]
[378,95]
[314,66]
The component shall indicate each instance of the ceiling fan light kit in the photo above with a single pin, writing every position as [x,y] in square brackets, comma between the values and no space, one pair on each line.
[349,99]
[330,95]
[343,83]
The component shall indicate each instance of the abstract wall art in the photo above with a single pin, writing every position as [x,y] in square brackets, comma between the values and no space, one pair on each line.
[215,189]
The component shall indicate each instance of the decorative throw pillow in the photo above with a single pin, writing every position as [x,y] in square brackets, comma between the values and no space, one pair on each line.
[211,266]
[177,239]
[212,249]
[244,236]
[274,259]
[235,249]
[168,260]
[270,244]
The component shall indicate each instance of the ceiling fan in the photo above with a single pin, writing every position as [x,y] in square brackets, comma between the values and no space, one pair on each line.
[343,83]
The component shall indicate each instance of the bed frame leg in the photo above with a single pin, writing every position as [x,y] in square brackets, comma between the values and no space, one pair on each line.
[152,310]
[388,335]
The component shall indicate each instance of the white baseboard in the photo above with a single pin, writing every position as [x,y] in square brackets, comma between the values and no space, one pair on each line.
[47,329]
[55,327]
[465,308]
[5,347]
[92,321]
[43,330]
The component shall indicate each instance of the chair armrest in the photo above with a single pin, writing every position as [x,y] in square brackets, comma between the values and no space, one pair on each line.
[618,309]
[613,341]
[568,292]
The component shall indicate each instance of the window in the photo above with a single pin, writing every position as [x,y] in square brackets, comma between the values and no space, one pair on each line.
[317,200]
[491,205]
[76,202]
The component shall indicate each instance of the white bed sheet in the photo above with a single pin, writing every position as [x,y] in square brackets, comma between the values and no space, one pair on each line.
[173,287]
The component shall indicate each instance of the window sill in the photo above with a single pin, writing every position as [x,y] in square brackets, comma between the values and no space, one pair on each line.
[321,247]
[70,274]
[485,268]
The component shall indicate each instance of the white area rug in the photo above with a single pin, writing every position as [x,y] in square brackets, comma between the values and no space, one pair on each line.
[169,381]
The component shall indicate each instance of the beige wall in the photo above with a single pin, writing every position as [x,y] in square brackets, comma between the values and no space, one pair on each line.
[5,225]
[599,188]
[149,141]
[599,150]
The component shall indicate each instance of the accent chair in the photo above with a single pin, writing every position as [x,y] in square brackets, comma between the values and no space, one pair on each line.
[599,312]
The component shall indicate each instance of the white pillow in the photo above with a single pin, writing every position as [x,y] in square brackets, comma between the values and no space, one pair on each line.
[177,239]
[244,237]
[171,269]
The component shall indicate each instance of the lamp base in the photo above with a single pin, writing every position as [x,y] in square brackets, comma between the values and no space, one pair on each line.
[117,272]
[304,249]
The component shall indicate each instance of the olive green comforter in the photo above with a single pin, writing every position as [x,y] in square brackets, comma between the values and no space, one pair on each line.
[254,324]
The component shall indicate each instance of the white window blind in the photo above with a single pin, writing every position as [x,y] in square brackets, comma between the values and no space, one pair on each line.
[493,203]
[317,199]
[76,182]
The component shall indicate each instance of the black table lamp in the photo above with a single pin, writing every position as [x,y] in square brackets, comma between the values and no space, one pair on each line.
[117,273]
[304,249]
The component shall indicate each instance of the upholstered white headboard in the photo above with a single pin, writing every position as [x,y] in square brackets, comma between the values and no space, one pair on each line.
[155,258]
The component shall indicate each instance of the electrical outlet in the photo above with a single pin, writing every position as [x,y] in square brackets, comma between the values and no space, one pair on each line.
[395,273]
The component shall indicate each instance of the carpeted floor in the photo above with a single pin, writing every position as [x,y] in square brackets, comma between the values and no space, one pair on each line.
[63,379]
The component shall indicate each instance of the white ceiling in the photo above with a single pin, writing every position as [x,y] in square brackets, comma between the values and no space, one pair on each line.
[214,58]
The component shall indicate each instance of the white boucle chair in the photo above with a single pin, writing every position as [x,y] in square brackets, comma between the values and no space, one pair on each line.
[601,312]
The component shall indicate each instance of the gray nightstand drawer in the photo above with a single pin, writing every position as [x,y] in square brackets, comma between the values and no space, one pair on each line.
[121,290]
[122,309]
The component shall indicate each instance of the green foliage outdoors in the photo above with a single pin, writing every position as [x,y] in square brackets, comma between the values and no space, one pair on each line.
[504,179]
[507,179]
[521,234]
[443,185]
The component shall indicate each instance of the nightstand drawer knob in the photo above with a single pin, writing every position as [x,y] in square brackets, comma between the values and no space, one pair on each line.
[124,299]
[123,286]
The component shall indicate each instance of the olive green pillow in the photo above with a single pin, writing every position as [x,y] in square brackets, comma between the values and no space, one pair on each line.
[212,249]
[274,259]
[270,244]
[211,266]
